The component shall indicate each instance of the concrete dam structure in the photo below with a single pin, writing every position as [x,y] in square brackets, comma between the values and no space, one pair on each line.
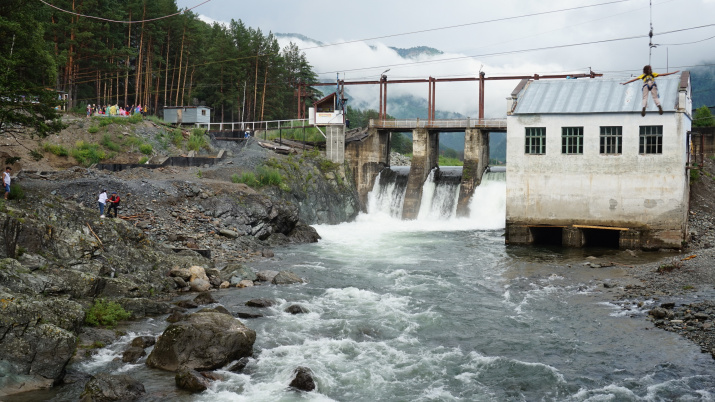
[369,155]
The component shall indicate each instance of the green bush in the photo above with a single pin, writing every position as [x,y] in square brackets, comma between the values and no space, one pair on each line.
[87,154]
[268,176]
[58,150]
[177,137]
[36,154]
[143,160]
[93,129]
[105,313]
[16,192]
[146,149]
[109,144]
[247,178]
[235,178]
[197,140]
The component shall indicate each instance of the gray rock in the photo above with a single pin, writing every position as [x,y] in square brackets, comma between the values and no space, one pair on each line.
[244,315]
[200,285]
[142,307]
[133,354]
[239,366]
[203,341]
[295,309]
[228,233]
[303,379]
[105,387]
[180,282]
[266,276]
[267,253]
[286,278]
[260,303]
[191,380]
[186,304]
[658,313]
[204,298]
[175,317]
[217,309]
[235,273]
[143,341]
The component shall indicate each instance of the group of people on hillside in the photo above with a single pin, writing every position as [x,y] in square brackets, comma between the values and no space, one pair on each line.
[113,202]
[115,110]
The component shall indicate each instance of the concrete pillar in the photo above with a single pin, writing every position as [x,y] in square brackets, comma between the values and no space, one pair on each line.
[335,143]
[366,159]
[629,239]
[476,159]
[572,237]
[518,234]
[425,156]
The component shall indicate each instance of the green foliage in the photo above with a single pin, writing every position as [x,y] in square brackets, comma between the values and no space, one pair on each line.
[143,160]
[264,176]
[177,137]
[36,154]
[12,159]
[58,150]
[109,144]
[326,166]
[146,149]
[87,154]
[445,161]
[93,130]
[400,143]
[16,192]
[199,173]
[703,117]
[694,175]
[105,313]
[197,140]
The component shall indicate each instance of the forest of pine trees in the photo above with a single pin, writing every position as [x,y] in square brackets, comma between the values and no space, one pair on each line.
[238,71]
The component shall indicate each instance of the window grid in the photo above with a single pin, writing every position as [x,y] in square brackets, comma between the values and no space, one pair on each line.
[535,140]
[611,140]
[651,140]
[572,140]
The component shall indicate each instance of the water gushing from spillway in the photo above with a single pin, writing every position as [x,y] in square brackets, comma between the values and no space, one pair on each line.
[440,193]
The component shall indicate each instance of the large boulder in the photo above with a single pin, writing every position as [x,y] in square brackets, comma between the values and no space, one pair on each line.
[191,380]
[105,387]
[235,273]
[303,379]
[286,278]
[203,341]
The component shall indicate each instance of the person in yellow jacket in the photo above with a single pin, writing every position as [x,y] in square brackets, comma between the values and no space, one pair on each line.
[649,86]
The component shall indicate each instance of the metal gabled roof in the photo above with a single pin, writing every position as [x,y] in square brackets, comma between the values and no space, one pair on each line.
[594,95]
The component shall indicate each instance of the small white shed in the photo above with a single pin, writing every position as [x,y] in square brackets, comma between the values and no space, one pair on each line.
[187,114]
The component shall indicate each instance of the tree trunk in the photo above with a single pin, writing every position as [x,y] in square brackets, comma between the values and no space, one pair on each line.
[138,91]
[126,65]
[181,60]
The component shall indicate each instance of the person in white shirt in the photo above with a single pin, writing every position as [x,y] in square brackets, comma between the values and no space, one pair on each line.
[102,202]
[6,181]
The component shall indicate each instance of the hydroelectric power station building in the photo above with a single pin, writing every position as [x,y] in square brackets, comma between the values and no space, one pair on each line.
[585,168]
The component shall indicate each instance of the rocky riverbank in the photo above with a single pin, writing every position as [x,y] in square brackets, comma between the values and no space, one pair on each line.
[179,230]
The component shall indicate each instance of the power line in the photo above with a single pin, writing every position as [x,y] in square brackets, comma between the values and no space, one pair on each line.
[467,24]
[122,22]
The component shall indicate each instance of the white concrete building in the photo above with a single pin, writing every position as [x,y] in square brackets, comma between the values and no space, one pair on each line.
[585,168]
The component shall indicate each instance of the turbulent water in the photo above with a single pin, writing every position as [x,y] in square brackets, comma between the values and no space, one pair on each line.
[439,309]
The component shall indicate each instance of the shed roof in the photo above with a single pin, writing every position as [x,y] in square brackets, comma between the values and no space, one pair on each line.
[594,95]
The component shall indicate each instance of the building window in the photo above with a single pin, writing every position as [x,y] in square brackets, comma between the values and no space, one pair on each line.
[572,140]
[535,140]
[651,140]
[611,139]
[203,113]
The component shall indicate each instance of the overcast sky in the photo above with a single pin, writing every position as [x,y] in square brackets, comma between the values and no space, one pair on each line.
[471,44]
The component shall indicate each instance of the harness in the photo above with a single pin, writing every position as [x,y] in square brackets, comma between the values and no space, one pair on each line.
[649,81]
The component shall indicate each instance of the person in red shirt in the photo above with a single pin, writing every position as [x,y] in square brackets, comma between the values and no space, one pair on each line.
[113,202]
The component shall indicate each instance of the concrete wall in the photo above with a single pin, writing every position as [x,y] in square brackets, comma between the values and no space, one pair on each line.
[476,159]
[646,193]
[425,156]
[366,159]
[335,143]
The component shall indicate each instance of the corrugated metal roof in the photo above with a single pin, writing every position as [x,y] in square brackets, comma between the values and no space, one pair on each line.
[594,95]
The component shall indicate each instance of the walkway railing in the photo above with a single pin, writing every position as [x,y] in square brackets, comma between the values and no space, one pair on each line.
[440,124]
[255,125]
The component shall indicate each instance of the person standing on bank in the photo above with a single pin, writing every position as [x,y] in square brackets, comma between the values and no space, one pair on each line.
[102,202]
[113,204]
[6,181]
[649,86]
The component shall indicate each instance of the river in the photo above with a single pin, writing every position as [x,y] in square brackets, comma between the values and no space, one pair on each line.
[439,309]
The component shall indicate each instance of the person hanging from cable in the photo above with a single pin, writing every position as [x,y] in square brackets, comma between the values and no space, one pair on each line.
[649,86]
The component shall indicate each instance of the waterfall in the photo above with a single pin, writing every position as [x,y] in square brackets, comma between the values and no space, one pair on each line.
[440,194]
[388,193]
